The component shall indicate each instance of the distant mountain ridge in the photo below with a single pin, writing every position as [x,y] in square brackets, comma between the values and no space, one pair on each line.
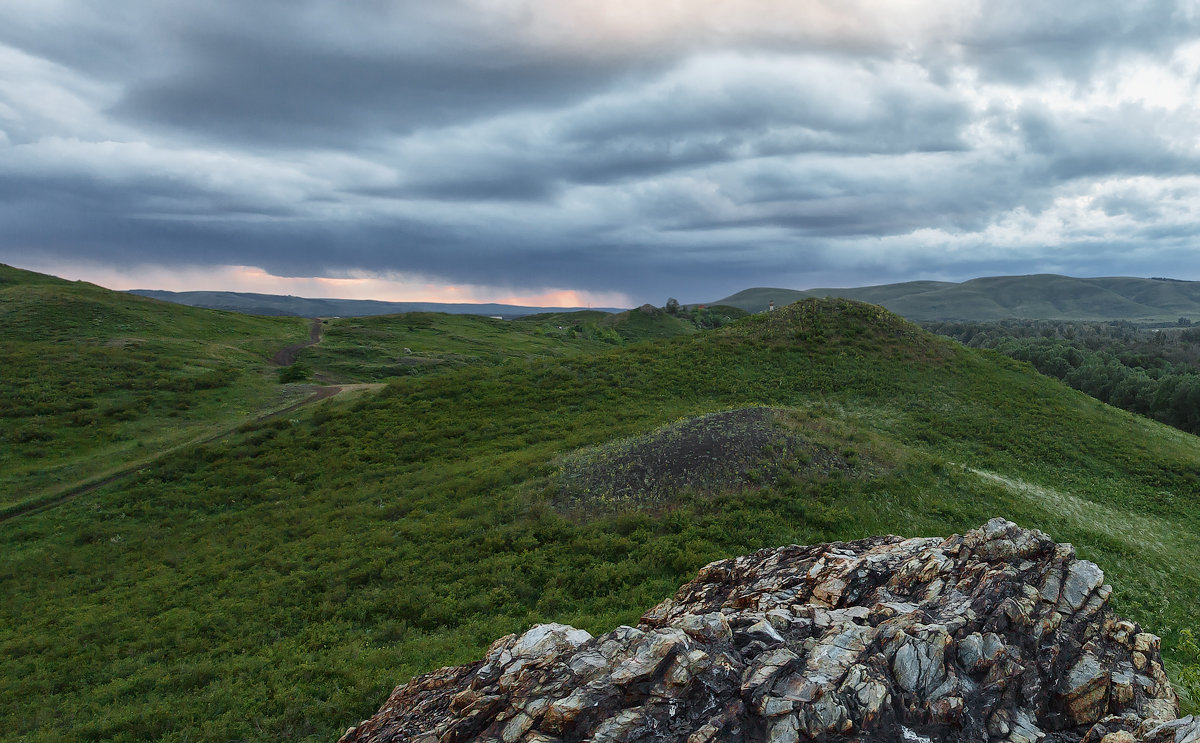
[283,305]
[1033,297]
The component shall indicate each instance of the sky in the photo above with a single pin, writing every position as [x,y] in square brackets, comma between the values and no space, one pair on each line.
[595,152]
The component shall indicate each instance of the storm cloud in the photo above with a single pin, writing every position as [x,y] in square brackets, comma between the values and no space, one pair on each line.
[616,149]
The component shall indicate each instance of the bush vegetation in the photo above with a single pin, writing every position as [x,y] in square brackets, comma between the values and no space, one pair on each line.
[721,451]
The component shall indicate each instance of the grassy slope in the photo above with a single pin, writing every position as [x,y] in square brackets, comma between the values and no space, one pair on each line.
[756,299]
[374,348]
[646,322]
[275,586]
[366,349]
[96,380]
[1042,296]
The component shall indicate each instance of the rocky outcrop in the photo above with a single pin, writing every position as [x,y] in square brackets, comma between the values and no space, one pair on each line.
[995,635]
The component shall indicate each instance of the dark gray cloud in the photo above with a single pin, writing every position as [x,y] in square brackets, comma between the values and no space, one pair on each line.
[239,91]
[611,147]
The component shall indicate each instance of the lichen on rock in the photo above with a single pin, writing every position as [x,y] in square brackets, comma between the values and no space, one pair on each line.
[998,634]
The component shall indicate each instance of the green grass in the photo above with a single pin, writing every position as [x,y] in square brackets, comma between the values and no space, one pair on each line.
[95,381]
[277,584]
[646,322]
[369,349]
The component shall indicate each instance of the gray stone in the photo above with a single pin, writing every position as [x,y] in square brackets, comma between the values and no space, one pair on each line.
[711,627]
[764,632]
[919,663]
[1083,577]
[1023,730]
[1182,730]
[651,653]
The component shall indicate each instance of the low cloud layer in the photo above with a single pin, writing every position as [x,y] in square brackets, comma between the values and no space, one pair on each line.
[615,149]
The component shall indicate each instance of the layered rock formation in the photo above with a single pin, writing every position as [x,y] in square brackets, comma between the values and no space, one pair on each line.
[995,635]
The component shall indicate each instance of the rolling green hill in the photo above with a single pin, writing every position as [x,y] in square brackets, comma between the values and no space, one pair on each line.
[367,349]
[276,584]
[95,381]
[1042,297]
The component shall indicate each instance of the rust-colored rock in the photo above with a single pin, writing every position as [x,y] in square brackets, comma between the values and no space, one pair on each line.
[995,635]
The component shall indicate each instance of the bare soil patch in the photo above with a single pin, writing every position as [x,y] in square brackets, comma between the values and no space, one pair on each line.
[723,451]
[286,356]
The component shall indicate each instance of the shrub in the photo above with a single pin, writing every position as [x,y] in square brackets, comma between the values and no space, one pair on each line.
[295,373]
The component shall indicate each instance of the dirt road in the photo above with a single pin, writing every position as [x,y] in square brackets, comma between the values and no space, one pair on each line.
[286,356]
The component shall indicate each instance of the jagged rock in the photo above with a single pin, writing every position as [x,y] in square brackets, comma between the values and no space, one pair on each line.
[995,635]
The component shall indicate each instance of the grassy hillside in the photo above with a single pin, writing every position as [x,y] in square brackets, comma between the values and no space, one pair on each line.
[1043,296]
[646,322]
[276,585]
[367,349]
[1152,371]
[96,380]
[758,299]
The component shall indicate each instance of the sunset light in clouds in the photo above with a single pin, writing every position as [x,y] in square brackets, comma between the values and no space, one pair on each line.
[383,288]
[580,152]
[597,26]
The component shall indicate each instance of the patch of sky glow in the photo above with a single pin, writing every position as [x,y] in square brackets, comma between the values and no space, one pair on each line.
[386,287]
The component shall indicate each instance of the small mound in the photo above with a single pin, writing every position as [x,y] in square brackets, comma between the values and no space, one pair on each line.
[711,453]
[839,323]
[645,322]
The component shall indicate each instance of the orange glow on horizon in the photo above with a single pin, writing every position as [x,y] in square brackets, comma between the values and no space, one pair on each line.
[387,288]
[556,298]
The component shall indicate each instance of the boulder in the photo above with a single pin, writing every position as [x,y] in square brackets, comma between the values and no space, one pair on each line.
[998,634]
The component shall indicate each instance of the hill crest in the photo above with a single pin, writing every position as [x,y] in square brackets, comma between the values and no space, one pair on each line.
[1034,297]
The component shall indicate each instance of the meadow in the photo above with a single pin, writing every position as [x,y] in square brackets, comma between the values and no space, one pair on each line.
[1150,370]
[277,583]
[95,382]
[371,349]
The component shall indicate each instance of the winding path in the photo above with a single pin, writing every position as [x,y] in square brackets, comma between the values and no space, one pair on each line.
[286,356]
[283,357]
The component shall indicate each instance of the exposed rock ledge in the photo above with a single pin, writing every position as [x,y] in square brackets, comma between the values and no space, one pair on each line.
[995,635]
